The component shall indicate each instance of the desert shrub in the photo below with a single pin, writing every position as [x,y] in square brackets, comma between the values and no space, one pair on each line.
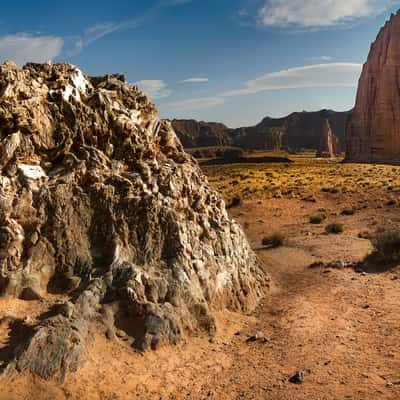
[317,218]
[347,211]
[234,202]
[387,242]
[332,190]
[335,228]
[391,202]
[276,239]
[309,198]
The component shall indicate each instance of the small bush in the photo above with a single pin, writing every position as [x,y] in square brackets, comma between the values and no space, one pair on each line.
[335,228]
[387,242]
[309,198]
[347,211]
[274,240]
[317,218]
[391,202]
[234,202]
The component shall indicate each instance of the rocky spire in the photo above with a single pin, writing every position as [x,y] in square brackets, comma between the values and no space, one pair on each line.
[329,143]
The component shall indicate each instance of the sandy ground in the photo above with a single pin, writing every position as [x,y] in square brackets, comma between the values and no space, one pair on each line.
[339,326]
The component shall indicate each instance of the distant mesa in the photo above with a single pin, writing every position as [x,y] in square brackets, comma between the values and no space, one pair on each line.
[295,132]
[373,131]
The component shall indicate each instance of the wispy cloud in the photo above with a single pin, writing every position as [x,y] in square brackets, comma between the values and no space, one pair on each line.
[104,28]
[155,89]
[195,104]
[194,80]
[319,75]
[22,48]
[318,13]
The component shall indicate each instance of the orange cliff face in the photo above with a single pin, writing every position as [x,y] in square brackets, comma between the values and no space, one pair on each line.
[373,130]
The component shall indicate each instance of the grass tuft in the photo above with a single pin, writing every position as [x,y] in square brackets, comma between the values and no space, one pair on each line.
[334,228]
[274,240]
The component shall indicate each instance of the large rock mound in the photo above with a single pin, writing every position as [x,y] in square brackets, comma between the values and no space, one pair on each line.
[100,204]
[373,130]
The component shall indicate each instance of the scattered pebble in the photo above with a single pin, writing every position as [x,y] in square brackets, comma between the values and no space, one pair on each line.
[298,377]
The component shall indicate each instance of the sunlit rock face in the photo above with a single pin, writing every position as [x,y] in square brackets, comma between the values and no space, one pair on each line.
[329,143]
[100,204]
[373,130]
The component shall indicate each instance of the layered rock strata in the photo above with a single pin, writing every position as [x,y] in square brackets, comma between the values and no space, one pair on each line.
[373,130]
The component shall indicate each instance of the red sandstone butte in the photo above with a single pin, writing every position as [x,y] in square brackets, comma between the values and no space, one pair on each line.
[373,130]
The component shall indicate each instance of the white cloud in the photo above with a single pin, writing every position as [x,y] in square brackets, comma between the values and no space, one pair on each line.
[319,75]
[318,13]
[22,48]
[199,103]
[194,80]
[155,89]
[326,58]
[102,29]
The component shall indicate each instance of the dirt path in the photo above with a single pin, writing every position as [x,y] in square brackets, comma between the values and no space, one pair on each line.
[339,326]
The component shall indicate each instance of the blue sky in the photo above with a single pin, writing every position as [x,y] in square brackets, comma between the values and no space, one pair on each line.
[234,61]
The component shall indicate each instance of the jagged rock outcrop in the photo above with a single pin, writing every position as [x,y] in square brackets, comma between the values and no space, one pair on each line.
[100,204]
[373,130]
[329,143]
[297,131]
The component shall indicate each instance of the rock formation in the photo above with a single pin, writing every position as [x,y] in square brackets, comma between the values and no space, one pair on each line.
[329,143]
[100,204]
[258,137]
[194,133]
[373,130]
[297,131]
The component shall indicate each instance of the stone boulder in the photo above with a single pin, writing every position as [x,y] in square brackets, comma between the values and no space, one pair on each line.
[373,130]
[100,205]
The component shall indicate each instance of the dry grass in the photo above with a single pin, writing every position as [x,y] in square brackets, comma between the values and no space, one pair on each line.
[274,240]
[307,178]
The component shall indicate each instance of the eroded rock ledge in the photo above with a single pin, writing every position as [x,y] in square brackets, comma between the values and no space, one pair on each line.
[99,203]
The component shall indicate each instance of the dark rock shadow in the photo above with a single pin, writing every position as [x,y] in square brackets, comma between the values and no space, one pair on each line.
[247,160]
[131,321]
[20,335]
[376,263]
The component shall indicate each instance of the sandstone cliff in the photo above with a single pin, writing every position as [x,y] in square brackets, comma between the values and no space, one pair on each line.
[194,133]
[100,205]
[296,131]
[329,143]
[373,131]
